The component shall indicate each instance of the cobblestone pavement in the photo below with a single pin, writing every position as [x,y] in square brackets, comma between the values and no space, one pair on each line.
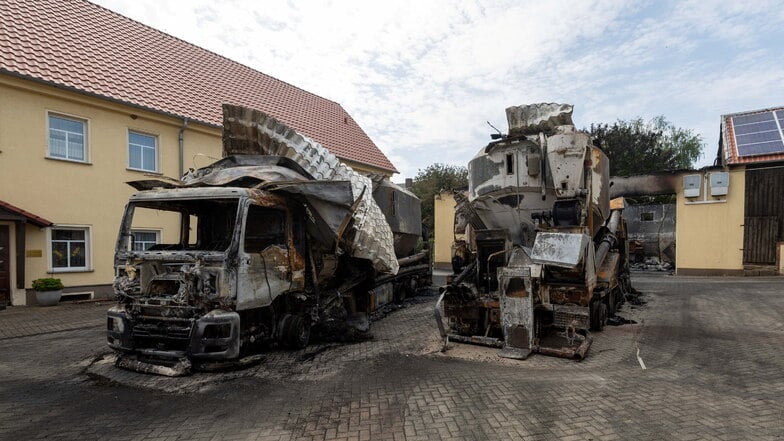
[711,347]
[22,321]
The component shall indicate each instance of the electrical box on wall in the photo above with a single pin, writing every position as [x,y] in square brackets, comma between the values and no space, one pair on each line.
[719,183]
[691,185]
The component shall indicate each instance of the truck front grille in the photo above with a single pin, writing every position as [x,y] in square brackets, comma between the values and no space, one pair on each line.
[167,335]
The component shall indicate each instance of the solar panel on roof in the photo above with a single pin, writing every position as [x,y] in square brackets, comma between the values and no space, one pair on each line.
[748,119]
[759,133]
[765,126]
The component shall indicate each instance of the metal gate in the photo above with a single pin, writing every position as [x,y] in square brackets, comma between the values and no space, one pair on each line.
[759,239]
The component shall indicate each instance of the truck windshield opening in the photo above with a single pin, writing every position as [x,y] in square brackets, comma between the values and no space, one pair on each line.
[181,225]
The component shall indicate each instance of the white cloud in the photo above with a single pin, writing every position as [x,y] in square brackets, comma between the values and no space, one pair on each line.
[423,77]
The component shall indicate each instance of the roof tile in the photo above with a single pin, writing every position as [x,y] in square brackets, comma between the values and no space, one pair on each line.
[32,218]
[82,45]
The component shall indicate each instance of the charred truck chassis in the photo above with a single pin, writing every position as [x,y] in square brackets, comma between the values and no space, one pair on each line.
[265,255]
[548,252]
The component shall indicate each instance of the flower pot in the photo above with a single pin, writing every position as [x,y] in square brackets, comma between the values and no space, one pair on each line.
[48,298]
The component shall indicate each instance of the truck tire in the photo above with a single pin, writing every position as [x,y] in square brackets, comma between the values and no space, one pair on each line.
[613,301]
[598,316]
[295,331]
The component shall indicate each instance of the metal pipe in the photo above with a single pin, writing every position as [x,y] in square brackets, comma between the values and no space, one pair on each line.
[644,185]
[401,273]
[609,238]
[181,138]
[490,257]
[465,273]
[543,168]
[412,259]
[477,340]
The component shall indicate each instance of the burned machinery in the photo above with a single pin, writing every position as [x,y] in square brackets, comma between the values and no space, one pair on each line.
[277,239]
[545,256]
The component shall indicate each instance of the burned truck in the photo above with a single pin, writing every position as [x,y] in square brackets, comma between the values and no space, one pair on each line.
[275,241]
[545,257]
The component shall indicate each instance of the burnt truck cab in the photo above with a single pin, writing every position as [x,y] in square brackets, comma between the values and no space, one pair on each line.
[256,248]
[228,250]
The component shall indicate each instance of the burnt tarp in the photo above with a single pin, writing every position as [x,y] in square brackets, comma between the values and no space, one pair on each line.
[403,211]
[330,201]
[248,131]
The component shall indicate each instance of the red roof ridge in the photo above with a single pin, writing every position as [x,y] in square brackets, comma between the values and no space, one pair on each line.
[207,50]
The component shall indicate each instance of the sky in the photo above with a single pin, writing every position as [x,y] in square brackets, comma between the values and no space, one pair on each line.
[423,78]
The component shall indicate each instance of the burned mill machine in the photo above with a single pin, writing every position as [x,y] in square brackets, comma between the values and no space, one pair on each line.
[545,255]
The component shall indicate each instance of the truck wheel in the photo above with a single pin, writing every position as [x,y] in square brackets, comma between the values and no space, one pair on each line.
[295,332]
[598,316]
[612,301]
[411,287]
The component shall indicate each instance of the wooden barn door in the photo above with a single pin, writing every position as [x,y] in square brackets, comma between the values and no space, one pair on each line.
[759,239]
[764,214]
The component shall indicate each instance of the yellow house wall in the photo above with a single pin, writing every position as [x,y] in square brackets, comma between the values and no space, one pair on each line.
[91,194]
[709,236]
[444,221]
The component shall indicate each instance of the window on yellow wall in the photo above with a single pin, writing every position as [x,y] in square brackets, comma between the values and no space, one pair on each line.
[67,138]
[69,248]
[144,240]
[142,152]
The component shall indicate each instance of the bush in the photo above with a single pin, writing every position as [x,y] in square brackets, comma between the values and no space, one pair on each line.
[47,284]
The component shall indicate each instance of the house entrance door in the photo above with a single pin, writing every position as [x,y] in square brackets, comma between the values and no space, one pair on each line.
[5,266]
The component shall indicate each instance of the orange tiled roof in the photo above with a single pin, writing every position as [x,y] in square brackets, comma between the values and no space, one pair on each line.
[731,155]
[32,218]
[83,46]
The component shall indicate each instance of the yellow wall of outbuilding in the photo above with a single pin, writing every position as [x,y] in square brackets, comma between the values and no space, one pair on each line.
[444,226]
[709,231]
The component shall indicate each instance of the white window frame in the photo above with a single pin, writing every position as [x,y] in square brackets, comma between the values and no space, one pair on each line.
[156,155]
[86,134]
[88,252]
[147,230]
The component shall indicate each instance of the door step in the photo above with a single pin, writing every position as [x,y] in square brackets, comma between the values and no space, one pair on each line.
[760,270]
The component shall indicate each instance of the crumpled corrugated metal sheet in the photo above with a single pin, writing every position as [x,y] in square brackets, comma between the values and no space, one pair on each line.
[249,131]
[531,119]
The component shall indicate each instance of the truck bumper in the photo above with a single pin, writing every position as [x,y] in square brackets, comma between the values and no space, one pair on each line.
[213,336]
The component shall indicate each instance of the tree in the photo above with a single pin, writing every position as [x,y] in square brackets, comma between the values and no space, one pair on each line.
[636,147]
[431,181]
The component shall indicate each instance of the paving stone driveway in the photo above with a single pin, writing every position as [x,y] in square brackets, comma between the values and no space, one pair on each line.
[712,348]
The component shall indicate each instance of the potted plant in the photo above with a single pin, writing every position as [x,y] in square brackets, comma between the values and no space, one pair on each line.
[48,291]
